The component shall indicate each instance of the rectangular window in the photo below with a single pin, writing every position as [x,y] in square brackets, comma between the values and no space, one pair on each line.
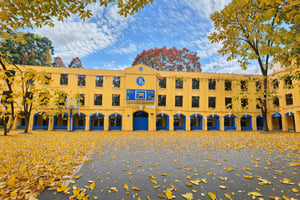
[244,103]
[99,81]
[195,102]
[258,103]
[62,99]
[162,83]
[228,85]
[64,79]
[244,86]
[211,84]
[258,86]
[178,101]
[81,80]
[275,84]
[228,103]
[179,83]
[116,82]
[43,98]
[47,79]
[288,82]
[276,101]
[289,99]
[115,100]
[81,100]
[98,99]
[161,100]
[212,102]
[228,121]
[195,84]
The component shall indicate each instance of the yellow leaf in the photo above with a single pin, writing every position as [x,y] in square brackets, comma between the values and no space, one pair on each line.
[148,198]
[169,194]
[95,197]
[187,169]
[229,169]
[164,174]
[248,176]
[114,189]
[92,186]
[295,190]
[223,187]
[274,198]
[78,176]
[212,195]
[228,196]
[195,191]
[13,194]
[161,196]
[223,178]
[188,184]
[153,181]
[157,186]
[188,196]
[126,187]
[136,188]
[254,194]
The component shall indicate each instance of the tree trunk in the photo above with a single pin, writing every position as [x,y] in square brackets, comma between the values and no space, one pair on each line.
[26,124]
[264,107]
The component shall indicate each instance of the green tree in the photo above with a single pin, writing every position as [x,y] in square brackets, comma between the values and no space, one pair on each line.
[256,30]
[33,50]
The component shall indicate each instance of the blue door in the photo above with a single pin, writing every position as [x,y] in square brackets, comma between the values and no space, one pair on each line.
[140,121]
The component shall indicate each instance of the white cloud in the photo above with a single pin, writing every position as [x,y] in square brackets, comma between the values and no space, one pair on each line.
[206,7]
[74,38]
[125,50]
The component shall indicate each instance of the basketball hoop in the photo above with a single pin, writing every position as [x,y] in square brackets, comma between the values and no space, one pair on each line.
[71,106]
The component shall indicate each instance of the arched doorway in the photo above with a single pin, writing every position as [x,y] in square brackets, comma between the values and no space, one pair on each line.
[115,122]
[276,122]
[79,121]
[213,122]
[246,122]
[229,122]
[290,120]
[140,121]
[97,121]
[179,122]
[61,121]
[196,122]
[162,122]
[40,121]
[259,122]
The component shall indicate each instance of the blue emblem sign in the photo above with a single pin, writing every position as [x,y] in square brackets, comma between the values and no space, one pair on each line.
[140,81]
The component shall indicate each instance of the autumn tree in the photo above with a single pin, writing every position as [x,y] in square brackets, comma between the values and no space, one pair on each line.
[172,59]
[31,50]
[58,62]
[75,63]
[256,30]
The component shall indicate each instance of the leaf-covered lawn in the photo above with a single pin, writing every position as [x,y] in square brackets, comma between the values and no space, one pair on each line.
[150,165]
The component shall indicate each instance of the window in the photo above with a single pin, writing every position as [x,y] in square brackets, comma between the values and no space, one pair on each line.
[81,80]
[99,81]
[161,100]
[228,85]
[178,101]
[275,84]
[162,83]
[276,101]
[211,84]
[6,97]
[289,99]
[43,98]
[115,100]
[98,99]
[244,103]
[179,83]
[116,82]
[81,100]
[228,121]
[47,78]
[64,79]
[244,85]
[212,102]
[62,99]
[195,102]
[288,82]
[258,103]
[228,103]
[195,84]
[258,86]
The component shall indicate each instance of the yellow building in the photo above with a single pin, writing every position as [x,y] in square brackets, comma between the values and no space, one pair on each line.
[142,98]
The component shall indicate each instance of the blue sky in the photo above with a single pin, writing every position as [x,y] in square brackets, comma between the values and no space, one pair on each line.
[110,41]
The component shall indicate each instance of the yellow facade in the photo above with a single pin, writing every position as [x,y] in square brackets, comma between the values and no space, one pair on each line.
[137,114]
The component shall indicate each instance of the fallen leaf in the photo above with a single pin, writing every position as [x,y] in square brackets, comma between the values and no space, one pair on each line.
[188,196]
[212,195]
[254,194]
[136,188]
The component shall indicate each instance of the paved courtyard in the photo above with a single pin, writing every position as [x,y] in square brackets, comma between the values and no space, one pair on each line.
[193,165]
